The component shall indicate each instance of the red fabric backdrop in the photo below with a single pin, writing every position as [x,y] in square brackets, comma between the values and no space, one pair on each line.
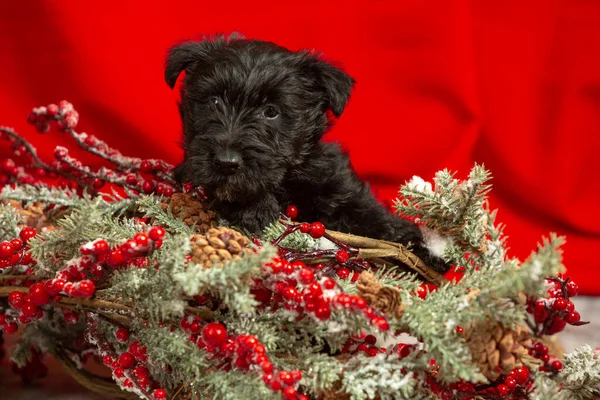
[512,84]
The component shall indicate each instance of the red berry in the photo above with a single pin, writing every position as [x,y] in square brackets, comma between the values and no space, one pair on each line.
[9,328]
[266,366]
[545,358]
[148,187]
[160,394]
[343,272]
[317,230]
[522,375]
[97,183]
[6,250]
[370,340]
[323,312]
[100,247]
[141,372]
[573,317]
[291,212]
[275,385]
[131,180]
[116,258]
[558,324]
[122,335]
[137,350]
[156,233]
[195,327]
[538,348]
[38,294]
[27,233]
[16,300]
[341,256]
[286,377]
[29,310]
[141,239]
[146,166]
[17,244]
[329,284]
[289,393]
[502,389]
[126,360]
[556,365]
[86,288]
[572,288]
[306,275]
[297,375]
[422,292]
[304,227]
[559,304]
[118,372]
[570,306]
[460,330]
[510,382]
[214,334]
[381,323]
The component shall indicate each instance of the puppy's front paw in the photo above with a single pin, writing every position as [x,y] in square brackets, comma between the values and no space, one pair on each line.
[259,215]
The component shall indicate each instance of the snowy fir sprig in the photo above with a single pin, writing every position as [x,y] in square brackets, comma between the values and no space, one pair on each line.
[177,307]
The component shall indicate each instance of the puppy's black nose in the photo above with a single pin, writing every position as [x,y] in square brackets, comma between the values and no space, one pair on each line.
[228,162]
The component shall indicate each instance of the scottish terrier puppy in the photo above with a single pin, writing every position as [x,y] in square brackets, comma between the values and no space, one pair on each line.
[253,116]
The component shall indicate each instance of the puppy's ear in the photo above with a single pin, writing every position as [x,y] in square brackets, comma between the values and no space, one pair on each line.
[188,54]
[337,85]
[182,57]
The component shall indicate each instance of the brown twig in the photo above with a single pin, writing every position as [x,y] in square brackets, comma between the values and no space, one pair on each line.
[94,383]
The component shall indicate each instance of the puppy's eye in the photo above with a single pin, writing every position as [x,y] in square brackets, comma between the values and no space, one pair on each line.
[270,112]
[214,101]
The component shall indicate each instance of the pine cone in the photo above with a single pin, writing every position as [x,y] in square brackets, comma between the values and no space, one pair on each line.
[497,350]
[192,211]
[33,216]
[382,298]
[218,246]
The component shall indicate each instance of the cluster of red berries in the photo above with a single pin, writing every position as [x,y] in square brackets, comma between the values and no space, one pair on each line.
[130,368]
[540,352]
[64,114]
[557,310]
[243,352]
[13,252]
[363,344]
[294,286]
[518,381]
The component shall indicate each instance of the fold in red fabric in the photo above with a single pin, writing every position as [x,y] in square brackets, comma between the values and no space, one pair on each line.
[444,84]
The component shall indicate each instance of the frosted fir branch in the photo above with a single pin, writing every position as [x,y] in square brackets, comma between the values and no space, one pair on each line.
[295,240]
[231,283]
[545,388]
[383,376]
[580,376]
[233,385]
[434,322]
[151,207]
[46,334]
[529,277]
[30,194]
[86,222]
[325,371]
[153,290]
[453,207]
[9,221]
[172,348]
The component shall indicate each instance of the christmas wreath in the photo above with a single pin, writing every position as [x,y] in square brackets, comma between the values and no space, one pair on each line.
[120,266]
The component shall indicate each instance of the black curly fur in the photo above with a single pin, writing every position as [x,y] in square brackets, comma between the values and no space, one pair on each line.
[229,84]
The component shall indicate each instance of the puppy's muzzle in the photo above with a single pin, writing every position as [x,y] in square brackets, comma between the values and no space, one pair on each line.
[228,162]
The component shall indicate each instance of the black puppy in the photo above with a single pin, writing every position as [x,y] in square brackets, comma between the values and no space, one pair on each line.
[253,117]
